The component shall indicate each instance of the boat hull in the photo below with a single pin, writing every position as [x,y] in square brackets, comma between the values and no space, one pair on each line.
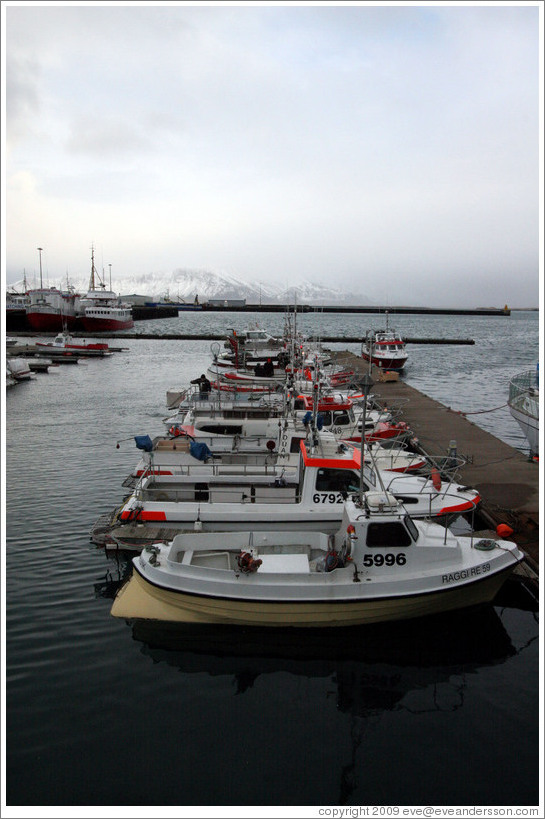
[395,364]
[105,325]
[42,322]
[530,427]
[140,599]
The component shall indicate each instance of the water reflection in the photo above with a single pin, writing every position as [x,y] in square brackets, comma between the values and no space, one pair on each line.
[119,570]
[373,667]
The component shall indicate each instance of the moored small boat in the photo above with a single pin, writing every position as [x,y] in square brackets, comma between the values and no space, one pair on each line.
[280,491]
[65,342]
[523,405]
[18,368]
[385,349]
[380,565]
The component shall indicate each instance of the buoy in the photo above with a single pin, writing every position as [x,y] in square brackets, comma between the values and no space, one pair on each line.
[435,478]
[503,530]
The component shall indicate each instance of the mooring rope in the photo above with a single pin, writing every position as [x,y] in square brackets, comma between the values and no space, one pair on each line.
[479,412]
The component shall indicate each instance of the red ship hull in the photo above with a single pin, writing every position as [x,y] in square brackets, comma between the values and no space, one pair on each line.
[50,322]
[105,325]
[386,363]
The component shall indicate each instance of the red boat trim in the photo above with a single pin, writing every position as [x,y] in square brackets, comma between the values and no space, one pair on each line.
[143,515]
[146,472]
[337,463]
[462,507]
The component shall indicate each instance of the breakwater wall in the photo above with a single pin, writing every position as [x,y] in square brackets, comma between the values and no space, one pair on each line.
[124,336]
[382,310]
[16,319]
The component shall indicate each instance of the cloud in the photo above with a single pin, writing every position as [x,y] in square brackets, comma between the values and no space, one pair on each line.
[277,141]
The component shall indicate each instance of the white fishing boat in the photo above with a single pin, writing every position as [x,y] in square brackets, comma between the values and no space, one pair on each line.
[385,348]
[163,455]
[244,379]
[254,339]
[66,342]
[298,367]
[380,565]
[524,405]
[337,413]
[281,491]
[102,310]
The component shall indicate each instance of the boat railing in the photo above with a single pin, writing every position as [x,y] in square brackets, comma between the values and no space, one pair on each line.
[232,469]
[257,468]
[522,384]
[203,492]
[434,487]
[446,466]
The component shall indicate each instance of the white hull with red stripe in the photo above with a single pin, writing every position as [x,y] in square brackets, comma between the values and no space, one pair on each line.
[268,438]
[290,491]
[385,349]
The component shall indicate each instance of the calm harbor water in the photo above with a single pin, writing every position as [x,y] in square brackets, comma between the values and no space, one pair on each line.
[99,712]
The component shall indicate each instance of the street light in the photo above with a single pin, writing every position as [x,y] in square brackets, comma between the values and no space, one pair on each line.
[366,384]
[40,249]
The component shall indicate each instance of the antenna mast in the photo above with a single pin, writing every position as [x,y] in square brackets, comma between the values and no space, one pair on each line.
[41,283]
[92,279]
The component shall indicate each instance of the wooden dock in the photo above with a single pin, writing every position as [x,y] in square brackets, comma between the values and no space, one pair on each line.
[507,480]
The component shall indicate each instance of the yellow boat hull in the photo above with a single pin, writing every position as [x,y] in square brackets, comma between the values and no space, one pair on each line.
[140,600]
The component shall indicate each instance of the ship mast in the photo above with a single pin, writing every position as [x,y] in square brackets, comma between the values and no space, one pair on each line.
[41,282]
[92,279]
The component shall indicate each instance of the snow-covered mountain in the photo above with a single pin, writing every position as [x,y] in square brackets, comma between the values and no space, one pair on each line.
[206,284]
[310,293]
[185,284]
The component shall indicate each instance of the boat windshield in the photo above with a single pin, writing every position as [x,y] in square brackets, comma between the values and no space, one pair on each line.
[391,534]
[409,523]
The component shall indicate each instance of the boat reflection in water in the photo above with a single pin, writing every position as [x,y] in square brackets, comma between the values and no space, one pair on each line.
[375,666]
[322,713]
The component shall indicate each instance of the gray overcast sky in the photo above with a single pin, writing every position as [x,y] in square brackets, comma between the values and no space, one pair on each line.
[390,150]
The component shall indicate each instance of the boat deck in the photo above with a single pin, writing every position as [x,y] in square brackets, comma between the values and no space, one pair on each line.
[507,480]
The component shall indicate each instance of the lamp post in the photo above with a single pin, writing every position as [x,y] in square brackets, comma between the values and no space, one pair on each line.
[40,249]
[366,384]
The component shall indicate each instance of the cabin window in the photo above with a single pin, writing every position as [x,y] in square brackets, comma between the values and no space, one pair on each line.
[202,492]
[295,445]
[222,429]
[326,418]
[337,480]
[341,418]
[392,534]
